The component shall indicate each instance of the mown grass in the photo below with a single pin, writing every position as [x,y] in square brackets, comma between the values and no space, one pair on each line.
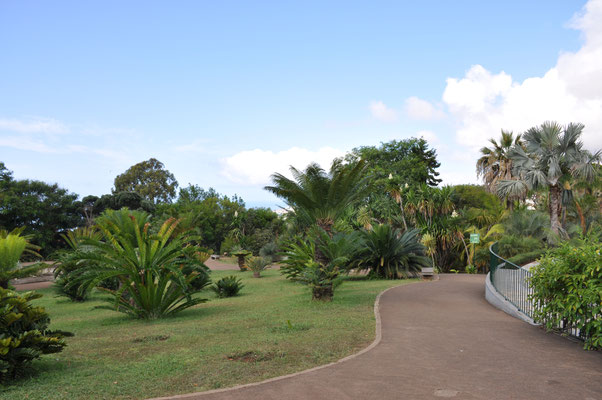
[272,329]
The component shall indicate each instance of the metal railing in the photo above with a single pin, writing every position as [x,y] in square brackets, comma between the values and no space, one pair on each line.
[511,281]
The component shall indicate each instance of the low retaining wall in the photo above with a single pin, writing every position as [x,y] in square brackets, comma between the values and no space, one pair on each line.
[498,301]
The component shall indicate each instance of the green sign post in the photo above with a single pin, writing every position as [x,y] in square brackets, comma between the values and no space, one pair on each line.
[475,238]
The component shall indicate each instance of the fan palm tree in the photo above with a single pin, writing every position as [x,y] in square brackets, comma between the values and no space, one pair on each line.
[495,163]
[552,155]
[320,196]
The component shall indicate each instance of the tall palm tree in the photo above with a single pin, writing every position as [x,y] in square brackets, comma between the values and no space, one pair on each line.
[320,196]
[495,163]
[552,155]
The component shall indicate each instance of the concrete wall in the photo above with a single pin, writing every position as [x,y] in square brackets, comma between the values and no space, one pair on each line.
[498,301]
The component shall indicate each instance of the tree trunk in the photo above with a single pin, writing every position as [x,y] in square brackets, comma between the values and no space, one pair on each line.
[322,293]
[241,262]
[255,274]
[581,216]
[555,206]
[319,257]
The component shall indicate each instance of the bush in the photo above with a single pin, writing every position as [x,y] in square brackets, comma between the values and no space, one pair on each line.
[228,286]
[512,245]
[567,287]
[525,258]
[24,334]
[270,250]
[391,255]
[198,274]
[12,247]
[297,253]
[149,266]
[258,264]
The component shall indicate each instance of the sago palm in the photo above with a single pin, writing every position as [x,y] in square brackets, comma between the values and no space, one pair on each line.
[149,266]
[390,254]
[12,247]
[319,196]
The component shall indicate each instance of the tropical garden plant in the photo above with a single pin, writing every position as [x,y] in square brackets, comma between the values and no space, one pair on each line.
[24,333]
[567,289]
[258,264]
[390,254]
[12,247]
[228,286]
[149,266]
[552,156]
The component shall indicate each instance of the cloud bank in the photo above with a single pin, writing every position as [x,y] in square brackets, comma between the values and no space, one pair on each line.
[254,167]
[481,103]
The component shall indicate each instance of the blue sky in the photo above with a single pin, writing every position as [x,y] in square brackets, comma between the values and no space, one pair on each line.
[224,93]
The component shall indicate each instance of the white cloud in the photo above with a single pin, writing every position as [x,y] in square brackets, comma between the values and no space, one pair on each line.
[26,144]
[254,167]
[380,111]
[198,146]
[417,108]
[34,125]
[483,102]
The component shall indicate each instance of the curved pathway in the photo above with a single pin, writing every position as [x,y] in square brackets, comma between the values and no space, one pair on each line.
[443,340]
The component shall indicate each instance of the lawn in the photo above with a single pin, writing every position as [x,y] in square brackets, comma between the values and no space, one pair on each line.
[272,329]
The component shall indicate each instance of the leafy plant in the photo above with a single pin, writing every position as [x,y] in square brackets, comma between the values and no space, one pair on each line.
[228,286]
[390,254]
[258,264]
[296,252]
[241,254]
[149,266]
[65,266]
[24,333]
[270,250]
[567,289]
[12,246]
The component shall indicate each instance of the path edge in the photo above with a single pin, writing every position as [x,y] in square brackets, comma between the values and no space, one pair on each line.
[375,342]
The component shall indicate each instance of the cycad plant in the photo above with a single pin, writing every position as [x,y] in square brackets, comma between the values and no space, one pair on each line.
[390,254]
[149,266]
[12,246]
[258,264]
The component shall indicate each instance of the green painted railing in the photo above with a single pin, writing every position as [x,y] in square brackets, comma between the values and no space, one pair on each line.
[511,281]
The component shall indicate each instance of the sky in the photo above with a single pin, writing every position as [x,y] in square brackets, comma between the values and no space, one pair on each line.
[226,93]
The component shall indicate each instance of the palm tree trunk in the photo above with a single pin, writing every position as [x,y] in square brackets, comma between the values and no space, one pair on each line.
[555,206]
[581,216]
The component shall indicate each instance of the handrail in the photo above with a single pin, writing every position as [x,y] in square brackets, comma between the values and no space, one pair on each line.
[511,281]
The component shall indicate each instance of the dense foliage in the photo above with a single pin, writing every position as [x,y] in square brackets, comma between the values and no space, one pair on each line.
[228,286]
[150,180]
[12,247]
[149,266]
[24,333]
[44,210]
[567,286]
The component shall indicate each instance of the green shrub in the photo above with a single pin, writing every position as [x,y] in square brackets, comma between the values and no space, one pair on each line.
[391,255]
[24,334]
[567,287]
[149,266]
[12,247]
[525,258]
[258,264]
[270,250]
[228,286]
[511,245]
[296,253]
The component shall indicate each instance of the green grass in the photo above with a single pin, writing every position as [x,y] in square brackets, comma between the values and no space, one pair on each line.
[273,328]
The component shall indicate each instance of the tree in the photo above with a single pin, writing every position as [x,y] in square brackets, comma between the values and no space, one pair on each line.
[495,163]
[45,210]
[322,197]
[117,201]
[553,154]
[150,180]
[408,161]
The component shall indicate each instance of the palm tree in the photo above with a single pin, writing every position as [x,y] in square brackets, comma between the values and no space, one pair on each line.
[552,155]
[321,197]
[12,246]
[495,163]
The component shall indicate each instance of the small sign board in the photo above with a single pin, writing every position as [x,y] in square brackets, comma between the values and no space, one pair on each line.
[475,238]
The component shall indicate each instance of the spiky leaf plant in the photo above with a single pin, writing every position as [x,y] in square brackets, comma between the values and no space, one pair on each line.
[149,266]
